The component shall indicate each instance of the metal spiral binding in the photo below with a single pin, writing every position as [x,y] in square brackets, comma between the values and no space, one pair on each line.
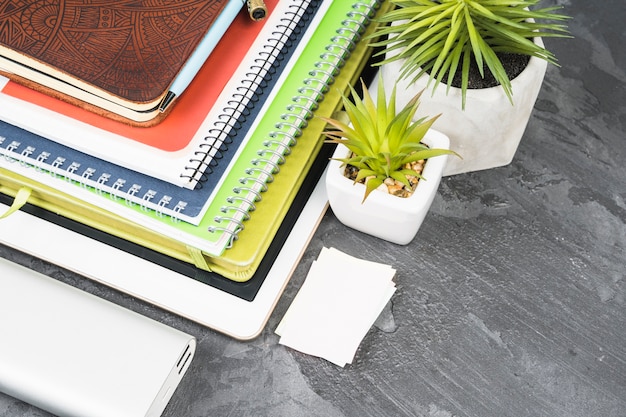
[266,162]
[259,181]
[163,202]
[269,175]
[101,181]
[179,208]
[278,143]
[369,8]
[10,148]
[146,198]
[256,194]
[285,148]
[338,58]
[117,185]
[86,175]
[26,153]
[237,109]
[339,38]
[364,16]
[295,125]
[221,219]
[57,163]
[41,160]
[292,108]
[249,203]
[89,178]
[313,100]
[134,189]
[330,75]
[276,153]
[232,232]
[244,212]
[291,140]
[72,170]
[358,24]
[300,119]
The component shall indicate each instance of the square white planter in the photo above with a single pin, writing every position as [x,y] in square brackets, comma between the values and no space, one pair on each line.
[386,216]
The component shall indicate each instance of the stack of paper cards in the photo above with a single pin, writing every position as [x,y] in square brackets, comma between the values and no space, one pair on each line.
[338,303]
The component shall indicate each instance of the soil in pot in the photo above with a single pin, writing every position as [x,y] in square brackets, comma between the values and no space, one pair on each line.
[513,65]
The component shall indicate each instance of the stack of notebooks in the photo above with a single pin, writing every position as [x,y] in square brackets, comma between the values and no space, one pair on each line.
[206,179]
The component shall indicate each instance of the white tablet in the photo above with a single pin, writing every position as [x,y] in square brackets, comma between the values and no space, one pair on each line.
[172,291]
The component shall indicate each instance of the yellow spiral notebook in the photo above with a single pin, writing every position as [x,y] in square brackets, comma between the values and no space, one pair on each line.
[255,193]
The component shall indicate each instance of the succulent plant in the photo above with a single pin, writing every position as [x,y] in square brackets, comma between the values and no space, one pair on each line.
[382,143]
[440,37]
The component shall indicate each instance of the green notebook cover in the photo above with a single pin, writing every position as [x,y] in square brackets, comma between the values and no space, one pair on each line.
[225,242]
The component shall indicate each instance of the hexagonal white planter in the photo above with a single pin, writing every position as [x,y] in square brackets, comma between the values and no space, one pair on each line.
[487,133]
[386,216]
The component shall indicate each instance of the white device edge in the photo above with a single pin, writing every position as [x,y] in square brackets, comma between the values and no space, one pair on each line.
[206,305]
[74,354]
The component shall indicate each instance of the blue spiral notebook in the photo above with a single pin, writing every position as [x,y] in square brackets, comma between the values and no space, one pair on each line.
[182,148]
[150,192]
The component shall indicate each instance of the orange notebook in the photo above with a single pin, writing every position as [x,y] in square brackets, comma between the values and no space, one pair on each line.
[164,150]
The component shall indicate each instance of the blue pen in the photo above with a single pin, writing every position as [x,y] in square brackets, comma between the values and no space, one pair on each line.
[202,52]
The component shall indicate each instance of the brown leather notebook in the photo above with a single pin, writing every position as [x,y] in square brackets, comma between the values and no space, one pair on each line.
[115,57]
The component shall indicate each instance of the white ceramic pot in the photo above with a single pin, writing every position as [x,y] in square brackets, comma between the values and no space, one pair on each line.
[386,216]
[487,133]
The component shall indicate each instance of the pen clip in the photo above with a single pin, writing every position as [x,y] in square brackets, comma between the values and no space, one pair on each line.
[169,97]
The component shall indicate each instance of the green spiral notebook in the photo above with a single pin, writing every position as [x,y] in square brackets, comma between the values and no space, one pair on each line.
[264,177]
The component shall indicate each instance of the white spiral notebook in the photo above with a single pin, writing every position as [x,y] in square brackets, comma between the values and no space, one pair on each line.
[279,140]
[180,149]
[210,160]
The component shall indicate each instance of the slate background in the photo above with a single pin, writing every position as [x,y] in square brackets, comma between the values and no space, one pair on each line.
[510,302]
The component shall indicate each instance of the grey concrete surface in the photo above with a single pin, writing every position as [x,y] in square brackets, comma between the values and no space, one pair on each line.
[511,301]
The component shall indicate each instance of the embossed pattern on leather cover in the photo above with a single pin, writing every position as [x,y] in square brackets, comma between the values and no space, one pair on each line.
[132,49]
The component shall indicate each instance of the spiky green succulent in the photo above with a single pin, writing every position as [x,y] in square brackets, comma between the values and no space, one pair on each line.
[442,36]
[382,142]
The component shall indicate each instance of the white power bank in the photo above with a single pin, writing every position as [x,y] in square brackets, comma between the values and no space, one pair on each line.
[74,354]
